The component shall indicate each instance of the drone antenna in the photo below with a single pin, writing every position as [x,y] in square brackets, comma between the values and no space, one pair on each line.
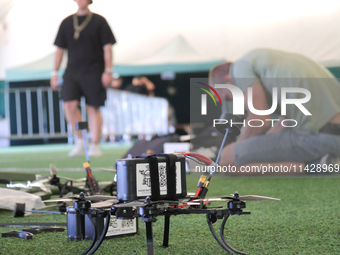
[91,182]
[220,151]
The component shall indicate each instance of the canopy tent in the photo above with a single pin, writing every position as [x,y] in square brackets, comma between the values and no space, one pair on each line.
[176,56]
[221,29]
[5,7]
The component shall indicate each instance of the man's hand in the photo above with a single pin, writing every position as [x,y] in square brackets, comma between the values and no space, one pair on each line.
[106,79]
[259,103]
[149,85]
[116,83]
[54,82]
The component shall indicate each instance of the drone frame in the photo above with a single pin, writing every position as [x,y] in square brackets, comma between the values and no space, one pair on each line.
[150,210]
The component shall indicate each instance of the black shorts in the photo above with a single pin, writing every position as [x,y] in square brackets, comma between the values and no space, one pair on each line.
[88,85]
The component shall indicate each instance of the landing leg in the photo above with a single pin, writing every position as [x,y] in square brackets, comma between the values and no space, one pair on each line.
[149,238]
[166,230]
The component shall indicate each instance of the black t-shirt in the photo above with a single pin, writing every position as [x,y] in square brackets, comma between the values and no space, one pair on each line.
[86,53]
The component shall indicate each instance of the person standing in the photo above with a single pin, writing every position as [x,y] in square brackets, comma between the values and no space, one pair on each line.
[88,40]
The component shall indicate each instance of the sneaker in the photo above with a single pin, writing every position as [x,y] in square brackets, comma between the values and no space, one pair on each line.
[330,159]
[78,149]
[95,151]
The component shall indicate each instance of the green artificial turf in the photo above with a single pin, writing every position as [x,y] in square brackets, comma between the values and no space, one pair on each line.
[41,156]
[305,221]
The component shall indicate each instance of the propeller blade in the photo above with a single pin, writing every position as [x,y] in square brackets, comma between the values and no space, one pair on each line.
[258,198]
[107,169]
[67,178]
[53,169]
[245,198]
[81,179]
[99,197]
[104,204]
[42,180]
[94,198]
[212,199]
[221,198]
[142,203]
[62,199]
[131,204]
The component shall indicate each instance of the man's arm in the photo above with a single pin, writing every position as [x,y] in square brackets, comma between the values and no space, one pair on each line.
[259,103]
[149,85]
[108,57]
[57,61]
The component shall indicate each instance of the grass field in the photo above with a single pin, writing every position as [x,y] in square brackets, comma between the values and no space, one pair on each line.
[305,221]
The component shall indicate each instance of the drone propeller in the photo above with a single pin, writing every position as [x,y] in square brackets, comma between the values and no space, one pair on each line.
[104,204]
[131,204]
[213,199]
[107,169]
[244,198]
[257,198]
[54,171]
[143,203]
[93,198]
[99,197]
[62,199]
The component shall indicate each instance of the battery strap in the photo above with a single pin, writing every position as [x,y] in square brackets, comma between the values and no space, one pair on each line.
[154,176]
[170,175]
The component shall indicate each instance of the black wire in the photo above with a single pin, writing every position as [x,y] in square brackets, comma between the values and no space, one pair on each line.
[106,227]
[225,241]
[216,237]
[93,240]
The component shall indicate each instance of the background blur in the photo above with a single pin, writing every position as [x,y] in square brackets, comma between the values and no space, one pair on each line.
[185,38]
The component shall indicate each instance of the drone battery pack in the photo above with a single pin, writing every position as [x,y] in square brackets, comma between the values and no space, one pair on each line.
[161,177]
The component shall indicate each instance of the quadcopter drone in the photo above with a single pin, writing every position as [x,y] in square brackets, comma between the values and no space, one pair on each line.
[91,184]
[142,191]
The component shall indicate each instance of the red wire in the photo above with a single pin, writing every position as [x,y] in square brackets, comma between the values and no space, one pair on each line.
[89,172]
[174,206]
[198,191]
[182,205]
[200,157]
